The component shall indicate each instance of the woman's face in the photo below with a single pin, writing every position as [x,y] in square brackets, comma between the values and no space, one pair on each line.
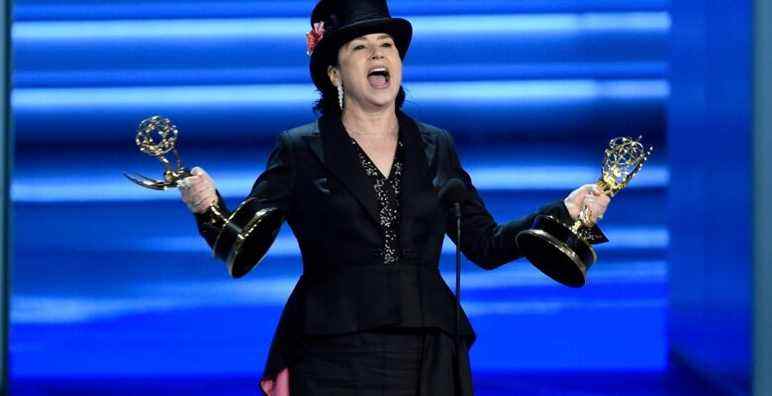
[371,71]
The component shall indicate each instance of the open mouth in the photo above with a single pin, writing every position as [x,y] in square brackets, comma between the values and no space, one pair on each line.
[379,77]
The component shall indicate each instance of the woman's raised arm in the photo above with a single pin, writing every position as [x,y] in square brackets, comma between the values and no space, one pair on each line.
[271,193]
[484,241]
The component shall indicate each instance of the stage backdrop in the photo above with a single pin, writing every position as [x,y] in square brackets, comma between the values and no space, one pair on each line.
[112,282]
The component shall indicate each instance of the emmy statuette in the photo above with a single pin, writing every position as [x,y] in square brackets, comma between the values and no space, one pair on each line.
[564,252]
[249,225]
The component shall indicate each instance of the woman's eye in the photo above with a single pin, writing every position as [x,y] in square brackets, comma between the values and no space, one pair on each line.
[386,45]
[358,47]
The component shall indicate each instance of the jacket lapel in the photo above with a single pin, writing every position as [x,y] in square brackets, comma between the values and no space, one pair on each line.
[340,157]
[416,180]
[332,147]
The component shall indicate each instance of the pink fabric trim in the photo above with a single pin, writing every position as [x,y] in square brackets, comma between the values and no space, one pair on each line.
[277,387]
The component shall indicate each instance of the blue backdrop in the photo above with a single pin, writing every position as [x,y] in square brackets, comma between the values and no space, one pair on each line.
[114,291]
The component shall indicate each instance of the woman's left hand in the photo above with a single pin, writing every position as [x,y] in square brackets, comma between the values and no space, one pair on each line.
[590,195]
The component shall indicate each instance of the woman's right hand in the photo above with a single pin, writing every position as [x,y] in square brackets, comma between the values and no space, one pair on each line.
[198,191]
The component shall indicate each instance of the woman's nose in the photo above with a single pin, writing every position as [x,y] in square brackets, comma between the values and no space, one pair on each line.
[376,53]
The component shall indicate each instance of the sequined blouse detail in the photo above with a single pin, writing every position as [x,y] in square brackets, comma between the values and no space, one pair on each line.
[387,195]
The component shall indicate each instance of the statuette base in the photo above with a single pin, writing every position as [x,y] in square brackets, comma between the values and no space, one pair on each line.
[556,251]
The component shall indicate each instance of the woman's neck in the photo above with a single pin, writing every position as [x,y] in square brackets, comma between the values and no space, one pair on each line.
[370,124]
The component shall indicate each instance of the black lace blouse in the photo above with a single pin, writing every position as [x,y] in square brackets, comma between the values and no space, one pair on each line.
[387,194]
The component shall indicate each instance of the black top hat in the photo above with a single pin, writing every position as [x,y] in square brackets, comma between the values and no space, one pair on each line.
[345,20]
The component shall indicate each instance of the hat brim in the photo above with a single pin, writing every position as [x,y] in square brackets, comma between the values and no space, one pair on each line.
[399,29]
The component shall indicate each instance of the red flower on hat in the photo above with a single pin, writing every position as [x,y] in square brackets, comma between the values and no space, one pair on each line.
[314,37]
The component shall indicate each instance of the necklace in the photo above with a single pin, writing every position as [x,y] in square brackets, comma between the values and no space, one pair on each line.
[357,134]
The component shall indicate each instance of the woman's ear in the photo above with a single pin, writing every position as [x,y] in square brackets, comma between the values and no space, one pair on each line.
[333,75]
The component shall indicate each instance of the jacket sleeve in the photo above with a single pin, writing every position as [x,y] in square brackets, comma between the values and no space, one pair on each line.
[484,241]
[272,189]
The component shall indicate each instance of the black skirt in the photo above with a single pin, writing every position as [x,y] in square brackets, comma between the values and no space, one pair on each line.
[393,362]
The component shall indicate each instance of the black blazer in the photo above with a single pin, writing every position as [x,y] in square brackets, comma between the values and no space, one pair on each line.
[313,176]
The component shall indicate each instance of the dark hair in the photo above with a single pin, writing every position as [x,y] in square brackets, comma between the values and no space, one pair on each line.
[328,100]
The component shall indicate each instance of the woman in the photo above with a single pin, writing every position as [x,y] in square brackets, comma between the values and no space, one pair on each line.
[359,188]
